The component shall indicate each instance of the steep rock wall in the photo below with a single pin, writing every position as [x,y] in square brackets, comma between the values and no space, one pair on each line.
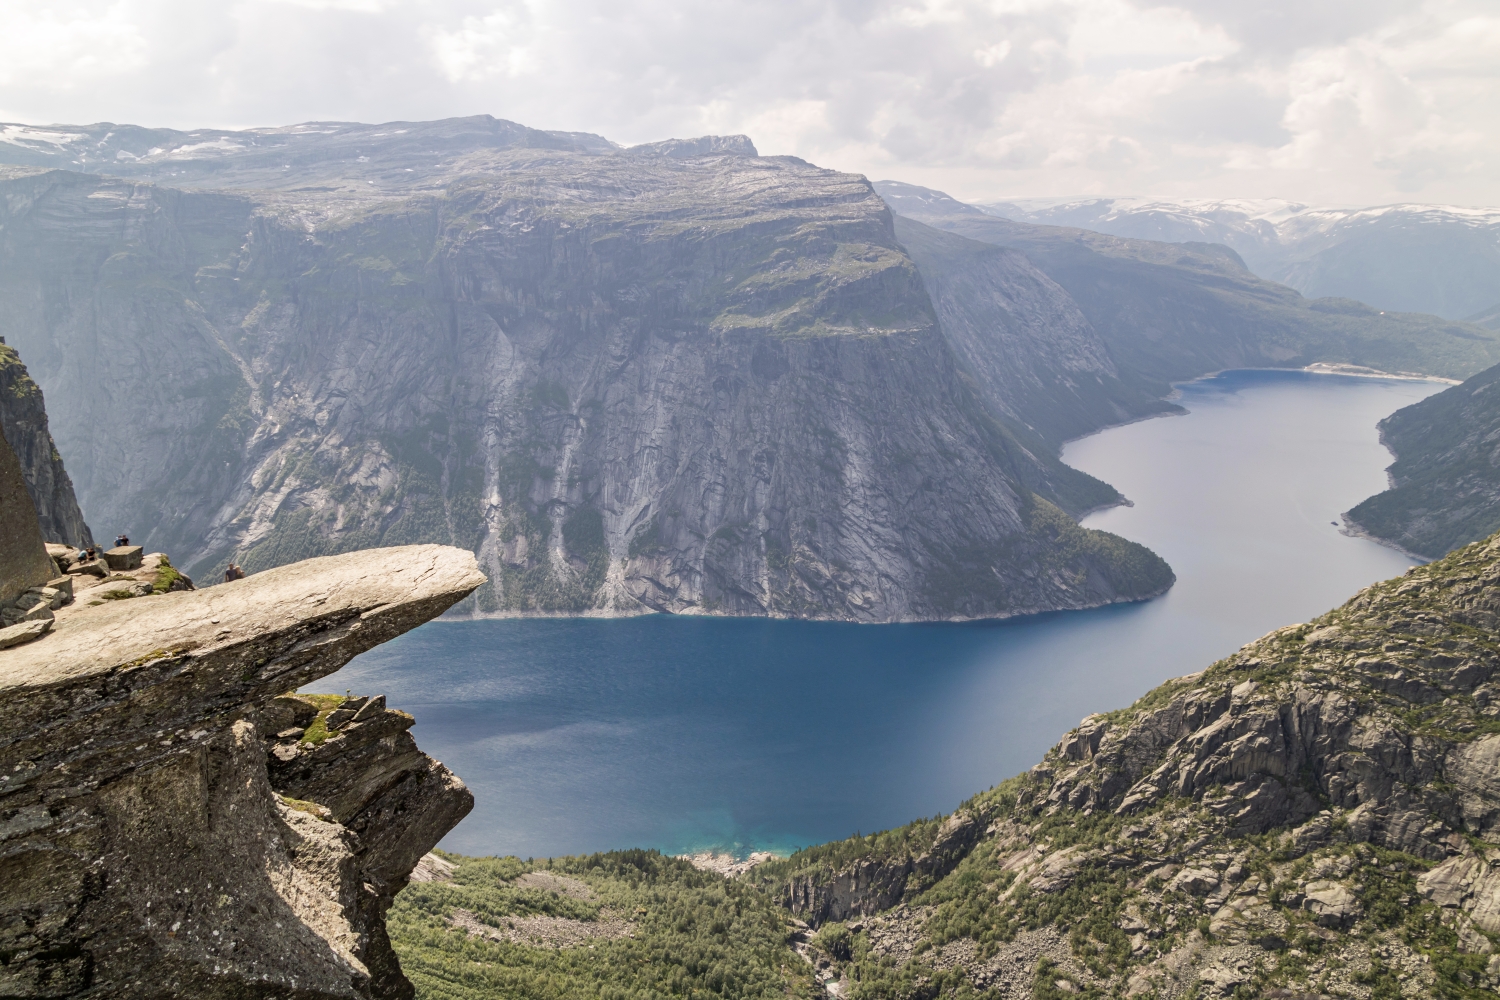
[23,420]
[629,382]
[24,562]
[1034,356]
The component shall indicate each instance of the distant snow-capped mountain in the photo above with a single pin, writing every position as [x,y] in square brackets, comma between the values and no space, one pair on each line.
[1440,259]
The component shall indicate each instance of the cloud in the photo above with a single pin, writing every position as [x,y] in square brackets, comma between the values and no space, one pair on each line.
[1336,101]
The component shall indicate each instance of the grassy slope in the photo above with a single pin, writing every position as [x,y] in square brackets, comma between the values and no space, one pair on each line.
[976,902]
[695,934]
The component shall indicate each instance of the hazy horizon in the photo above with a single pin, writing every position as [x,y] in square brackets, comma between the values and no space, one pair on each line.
[1344,103]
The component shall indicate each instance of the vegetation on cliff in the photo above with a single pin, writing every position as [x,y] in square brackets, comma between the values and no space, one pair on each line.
[627,924]
[1445,482]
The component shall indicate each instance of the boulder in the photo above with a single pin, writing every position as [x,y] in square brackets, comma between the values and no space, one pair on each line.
[90,567]
[1331,904]
[16,635]
[124,557]
[27,609]
[63,555]
[54,596]
[1196,881]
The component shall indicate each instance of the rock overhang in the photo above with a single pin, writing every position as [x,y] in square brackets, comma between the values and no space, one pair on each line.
[166,661]
[388,590]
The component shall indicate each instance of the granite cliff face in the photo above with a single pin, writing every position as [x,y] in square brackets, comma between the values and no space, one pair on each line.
[680,377]
[1033,355]
[1445,482]
[1315,814]
[23,421]
[171,825]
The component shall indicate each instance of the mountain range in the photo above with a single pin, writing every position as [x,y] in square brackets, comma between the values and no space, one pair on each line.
[679,377]
[1439,259]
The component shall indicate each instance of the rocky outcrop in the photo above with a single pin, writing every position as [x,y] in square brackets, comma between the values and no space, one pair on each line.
[24,562]
[681,378]
[152,844]
[1312,814]
[23,421]
[1445,482]
[870,885]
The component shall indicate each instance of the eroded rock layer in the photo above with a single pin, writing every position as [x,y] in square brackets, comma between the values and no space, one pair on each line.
[1317,814]
[146,847]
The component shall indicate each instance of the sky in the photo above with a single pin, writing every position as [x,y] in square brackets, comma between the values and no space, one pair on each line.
[1325,102]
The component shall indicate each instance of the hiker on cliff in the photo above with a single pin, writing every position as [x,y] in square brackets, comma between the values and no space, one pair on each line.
[232,573]
[121,541]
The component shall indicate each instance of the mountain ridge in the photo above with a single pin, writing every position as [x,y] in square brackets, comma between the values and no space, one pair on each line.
[1440,259]
[485,366]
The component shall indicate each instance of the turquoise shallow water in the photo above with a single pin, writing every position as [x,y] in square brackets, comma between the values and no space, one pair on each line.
[684,733]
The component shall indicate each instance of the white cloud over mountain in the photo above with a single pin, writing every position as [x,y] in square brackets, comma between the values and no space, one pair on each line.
[1335,101]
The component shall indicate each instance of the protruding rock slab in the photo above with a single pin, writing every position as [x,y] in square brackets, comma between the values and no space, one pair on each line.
[145,850]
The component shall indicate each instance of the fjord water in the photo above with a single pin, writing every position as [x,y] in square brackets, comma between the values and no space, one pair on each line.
[685,733]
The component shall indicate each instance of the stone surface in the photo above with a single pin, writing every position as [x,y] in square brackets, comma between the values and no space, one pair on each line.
[146,849]
[124,557]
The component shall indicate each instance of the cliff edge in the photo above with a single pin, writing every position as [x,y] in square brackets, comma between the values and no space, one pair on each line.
[172,824]
[23,420]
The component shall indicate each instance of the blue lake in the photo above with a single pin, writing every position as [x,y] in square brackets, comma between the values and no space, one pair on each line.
[685,733]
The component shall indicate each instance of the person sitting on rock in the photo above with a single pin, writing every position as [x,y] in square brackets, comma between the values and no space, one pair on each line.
[121,541]
[233,572]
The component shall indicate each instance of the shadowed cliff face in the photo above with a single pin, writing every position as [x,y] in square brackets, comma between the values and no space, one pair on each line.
[151,846]
[629,380]
[23,420]
[1445,482]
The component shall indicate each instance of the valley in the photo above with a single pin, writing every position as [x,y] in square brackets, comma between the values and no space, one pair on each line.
[677,377]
